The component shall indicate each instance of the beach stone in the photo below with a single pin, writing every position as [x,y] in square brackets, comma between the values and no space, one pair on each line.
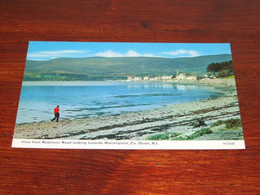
[198,122]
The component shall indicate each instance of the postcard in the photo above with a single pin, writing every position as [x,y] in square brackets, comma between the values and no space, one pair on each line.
[107,95]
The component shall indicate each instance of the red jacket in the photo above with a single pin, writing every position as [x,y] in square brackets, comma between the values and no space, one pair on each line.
[56,110]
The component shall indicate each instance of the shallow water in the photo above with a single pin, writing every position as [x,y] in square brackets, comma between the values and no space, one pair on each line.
[88,99]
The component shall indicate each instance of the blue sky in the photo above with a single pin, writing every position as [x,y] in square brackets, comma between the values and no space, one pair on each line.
[39,50]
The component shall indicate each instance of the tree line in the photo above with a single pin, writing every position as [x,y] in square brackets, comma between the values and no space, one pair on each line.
[222,69]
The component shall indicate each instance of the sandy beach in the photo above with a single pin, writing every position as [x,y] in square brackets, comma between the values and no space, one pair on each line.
[179,119]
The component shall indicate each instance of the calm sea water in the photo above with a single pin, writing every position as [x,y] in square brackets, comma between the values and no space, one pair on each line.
[88,99]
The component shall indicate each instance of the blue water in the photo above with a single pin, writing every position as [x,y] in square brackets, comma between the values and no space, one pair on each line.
[88,99]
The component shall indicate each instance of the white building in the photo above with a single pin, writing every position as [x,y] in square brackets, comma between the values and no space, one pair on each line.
[182,76]
[165,78]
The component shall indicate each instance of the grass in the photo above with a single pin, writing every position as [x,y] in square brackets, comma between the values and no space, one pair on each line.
[230,123]
[230,77]
[196,134]
[176,136]
[163,136]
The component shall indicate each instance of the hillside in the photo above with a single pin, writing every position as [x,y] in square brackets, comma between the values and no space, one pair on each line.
[100,68]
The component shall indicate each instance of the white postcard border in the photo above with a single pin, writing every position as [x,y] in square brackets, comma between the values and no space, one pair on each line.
[128,144]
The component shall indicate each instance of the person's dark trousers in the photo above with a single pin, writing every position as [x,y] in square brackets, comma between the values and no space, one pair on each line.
[57,115]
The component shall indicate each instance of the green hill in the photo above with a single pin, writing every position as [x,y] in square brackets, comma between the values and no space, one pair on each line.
[100,68]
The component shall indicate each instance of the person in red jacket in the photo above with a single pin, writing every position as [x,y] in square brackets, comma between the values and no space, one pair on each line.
[56,114]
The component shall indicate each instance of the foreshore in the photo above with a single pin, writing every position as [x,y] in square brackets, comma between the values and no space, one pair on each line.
[141,125]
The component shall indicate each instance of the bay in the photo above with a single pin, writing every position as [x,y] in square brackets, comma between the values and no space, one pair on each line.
[99,98]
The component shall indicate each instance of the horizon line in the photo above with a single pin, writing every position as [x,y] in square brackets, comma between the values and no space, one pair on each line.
[128,57]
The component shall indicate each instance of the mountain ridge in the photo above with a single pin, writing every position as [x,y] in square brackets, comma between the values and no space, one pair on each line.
[103,68]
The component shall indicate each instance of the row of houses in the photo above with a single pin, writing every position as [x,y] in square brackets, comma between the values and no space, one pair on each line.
[146,78]
[179,77]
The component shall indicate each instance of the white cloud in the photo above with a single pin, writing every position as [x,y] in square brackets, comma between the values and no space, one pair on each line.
[43,55]
[109,54]
[182,52]
[46,55]
[130,53]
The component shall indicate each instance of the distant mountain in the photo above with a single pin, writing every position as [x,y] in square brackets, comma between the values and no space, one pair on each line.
[101,68]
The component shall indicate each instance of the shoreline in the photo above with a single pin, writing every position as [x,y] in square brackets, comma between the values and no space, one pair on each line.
[224,85]
[139,125]
[203,81]
[223,90]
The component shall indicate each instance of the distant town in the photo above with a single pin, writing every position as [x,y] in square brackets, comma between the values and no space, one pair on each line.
[207,78]
[178,77]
